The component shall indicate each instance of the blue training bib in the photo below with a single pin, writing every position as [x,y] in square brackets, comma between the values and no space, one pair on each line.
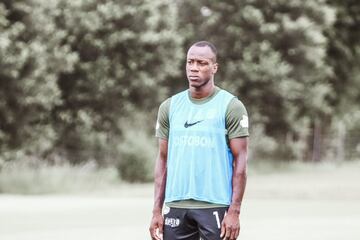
[199,164]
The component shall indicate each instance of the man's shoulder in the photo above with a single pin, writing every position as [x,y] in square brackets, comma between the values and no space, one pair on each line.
[236,107]
[224,92]
[236,103]
[165,106]
[179,94]
[234,99]
[166,101]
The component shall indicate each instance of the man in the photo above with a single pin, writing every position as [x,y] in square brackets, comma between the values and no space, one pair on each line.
[200,171]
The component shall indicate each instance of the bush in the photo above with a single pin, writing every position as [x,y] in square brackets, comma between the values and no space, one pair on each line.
[260,144]
[137,155]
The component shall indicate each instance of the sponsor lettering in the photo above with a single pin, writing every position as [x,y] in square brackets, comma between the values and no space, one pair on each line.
[172,222]
[194,141]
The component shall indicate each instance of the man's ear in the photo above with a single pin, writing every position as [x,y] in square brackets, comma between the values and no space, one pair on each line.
[215,67]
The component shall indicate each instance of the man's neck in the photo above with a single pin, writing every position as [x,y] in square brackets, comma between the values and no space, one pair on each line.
[203,91]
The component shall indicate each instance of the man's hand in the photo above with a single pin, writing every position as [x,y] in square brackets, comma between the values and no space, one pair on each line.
[230,226]
[156,226]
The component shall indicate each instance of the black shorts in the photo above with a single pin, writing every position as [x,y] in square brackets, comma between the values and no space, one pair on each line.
[193,224]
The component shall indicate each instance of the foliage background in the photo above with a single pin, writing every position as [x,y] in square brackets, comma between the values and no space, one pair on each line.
[81,80]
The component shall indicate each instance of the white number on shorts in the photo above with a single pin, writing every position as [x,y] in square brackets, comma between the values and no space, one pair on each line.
[217,218]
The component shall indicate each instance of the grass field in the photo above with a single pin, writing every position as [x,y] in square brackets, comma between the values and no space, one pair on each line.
[313,202]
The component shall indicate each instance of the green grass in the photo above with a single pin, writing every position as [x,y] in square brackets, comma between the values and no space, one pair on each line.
[43,178]
[297,202]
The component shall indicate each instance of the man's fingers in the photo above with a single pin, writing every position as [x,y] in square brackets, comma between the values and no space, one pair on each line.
[161,231]
[227,233]
[237,232]
[233,234]
[153,234]
[222,234]
[161,228]
[159,234]
[156,231]
[156,236]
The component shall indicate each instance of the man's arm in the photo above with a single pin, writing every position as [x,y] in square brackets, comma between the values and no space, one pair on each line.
[230,228]
[157,221]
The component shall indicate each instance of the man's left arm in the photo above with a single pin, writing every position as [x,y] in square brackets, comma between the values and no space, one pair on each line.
[230,227]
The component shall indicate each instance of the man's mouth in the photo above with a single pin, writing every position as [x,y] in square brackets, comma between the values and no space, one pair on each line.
[193,77]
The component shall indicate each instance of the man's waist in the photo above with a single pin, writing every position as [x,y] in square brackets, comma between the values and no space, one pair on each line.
[193,204]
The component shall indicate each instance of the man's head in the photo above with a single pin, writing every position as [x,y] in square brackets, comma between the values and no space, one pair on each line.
[201,64]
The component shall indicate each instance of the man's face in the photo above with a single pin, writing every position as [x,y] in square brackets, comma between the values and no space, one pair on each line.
[200,66]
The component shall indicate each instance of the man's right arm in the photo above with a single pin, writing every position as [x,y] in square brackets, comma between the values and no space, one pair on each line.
[157,221]
[162,132]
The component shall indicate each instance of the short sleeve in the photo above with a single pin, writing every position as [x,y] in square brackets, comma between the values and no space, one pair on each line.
[162,122]
[237,120]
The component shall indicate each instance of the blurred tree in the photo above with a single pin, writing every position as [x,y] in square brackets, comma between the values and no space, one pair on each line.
[272,55]
[126,50]
[28,72]
[344,55]
[72,71]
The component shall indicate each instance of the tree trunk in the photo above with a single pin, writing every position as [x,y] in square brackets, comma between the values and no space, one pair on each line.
[316,153]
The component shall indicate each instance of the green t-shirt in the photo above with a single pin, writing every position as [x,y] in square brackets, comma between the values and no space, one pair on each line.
[237,126]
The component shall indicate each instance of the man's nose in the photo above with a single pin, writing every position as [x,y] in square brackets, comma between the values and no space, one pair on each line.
[194,67]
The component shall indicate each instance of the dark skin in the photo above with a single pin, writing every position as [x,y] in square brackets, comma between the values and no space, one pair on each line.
[230,227]
[157,221]
[200,70]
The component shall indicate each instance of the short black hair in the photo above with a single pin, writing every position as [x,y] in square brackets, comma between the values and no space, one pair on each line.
[209,44]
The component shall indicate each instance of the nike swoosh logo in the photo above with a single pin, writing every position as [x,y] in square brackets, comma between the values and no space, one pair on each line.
[186,125]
